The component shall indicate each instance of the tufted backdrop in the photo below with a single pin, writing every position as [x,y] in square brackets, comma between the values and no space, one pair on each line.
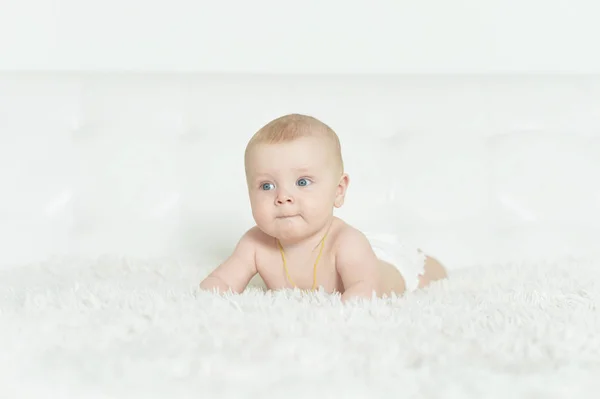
[472,169]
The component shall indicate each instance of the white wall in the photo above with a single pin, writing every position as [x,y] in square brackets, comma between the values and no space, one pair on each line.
[118,163]
[339,36]
[473,169]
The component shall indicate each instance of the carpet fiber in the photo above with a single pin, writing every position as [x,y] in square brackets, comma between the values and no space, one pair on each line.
[122,328]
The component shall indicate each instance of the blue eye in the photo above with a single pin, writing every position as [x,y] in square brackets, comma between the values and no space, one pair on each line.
[303,182]
[267,186]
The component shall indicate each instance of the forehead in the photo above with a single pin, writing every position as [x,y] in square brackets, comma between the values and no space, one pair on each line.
[301,154]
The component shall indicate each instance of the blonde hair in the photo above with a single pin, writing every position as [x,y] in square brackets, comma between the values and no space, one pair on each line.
[291,127]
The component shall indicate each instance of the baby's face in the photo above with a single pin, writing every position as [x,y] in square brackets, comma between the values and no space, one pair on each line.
[293,187]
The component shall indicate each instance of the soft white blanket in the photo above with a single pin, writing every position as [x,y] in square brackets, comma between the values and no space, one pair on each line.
[118,328]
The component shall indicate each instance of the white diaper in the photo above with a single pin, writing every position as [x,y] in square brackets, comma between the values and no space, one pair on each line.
[409,261]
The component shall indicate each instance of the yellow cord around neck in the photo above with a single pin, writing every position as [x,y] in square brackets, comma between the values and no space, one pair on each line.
[314,267]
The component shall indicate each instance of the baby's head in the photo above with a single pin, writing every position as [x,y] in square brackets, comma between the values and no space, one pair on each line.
[295,175]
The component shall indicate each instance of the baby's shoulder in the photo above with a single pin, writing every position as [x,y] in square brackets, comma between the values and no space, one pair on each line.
[257,238]
[344,234]
[253,245]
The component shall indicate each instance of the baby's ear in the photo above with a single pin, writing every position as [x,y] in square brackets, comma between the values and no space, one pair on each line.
[340,192]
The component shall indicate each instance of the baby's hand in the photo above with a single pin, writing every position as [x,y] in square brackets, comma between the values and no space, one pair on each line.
[357,265]
[236,272]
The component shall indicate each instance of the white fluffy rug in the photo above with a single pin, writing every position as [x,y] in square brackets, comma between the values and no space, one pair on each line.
[117,328]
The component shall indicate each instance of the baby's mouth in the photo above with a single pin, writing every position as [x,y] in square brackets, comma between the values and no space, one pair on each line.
[286,216]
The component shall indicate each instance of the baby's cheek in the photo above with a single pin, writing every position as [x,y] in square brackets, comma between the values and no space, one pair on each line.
[318,209]
[261,212]
[258,212]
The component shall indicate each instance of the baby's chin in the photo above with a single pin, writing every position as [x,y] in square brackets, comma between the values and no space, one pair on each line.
[290,229]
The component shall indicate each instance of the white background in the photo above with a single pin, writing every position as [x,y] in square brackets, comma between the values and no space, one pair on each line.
[497,164]
[311,36]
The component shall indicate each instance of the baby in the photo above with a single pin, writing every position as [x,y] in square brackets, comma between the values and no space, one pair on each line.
[295,176]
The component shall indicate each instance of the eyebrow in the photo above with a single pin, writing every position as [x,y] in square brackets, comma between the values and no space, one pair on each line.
[257,175]
[268,175]
[303,169]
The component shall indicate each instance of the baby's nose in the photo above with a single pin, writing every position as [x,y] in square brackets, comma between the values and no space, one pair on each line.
[283,198]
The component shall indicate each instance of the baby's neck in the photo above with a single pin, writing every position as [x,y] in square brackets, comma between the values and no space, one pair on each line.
[307,244]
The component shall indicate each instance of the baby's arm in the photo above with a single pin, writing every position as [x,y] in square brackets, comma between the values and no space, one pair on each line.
[357,265]
[236,271]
